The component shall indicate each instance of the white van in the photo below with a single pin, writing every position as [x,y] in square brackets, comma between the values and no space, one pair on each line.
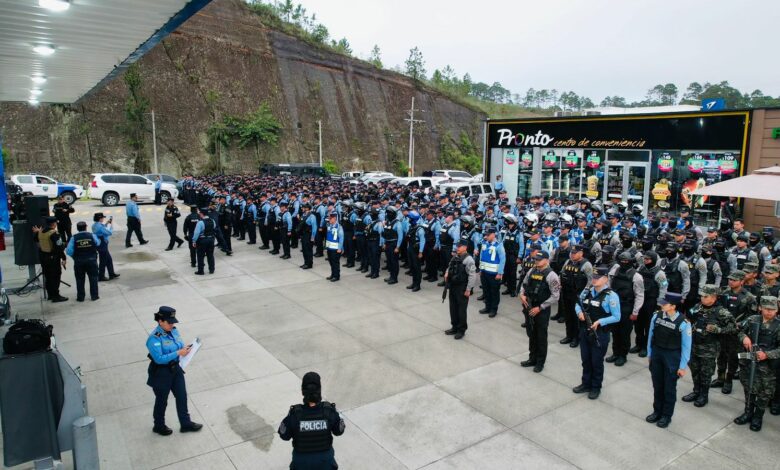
[483,190]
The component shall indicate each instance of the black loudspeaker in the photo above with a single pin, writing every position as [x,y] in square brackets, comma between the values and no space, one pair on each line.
[25,250]
[37,207]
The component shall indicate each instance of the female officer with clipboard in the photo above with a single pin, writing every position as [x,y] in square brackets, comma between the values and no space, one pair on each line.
[166,348]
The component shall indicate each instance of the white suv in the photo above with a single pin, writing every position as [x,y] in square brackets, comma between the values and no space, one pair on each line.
[113,188]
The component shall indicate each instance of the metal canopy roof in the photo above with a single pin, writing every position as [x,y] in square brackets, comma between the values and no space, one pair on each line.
[93,40]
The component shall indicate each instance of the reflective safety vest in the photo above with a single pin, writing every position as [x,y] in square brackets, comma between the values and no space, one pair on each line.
[488,258]
[332,237]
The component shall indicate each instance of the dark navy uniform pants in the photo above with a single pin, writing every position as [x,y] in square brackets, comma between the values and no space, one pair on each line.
[86,269]
[593,358]
[335,267]
[664,364]
[205,249]
[491,287]
[324,460]
[392,260]
[164,380]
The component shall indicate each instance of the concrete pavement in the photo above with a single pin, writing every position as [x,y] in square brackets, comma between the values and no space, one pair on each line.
[412,397]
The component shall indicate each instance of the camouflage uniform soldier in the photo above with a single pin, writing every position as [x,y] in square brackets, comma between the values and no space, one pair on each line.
[709,320]
[767,357]
[751,280]
[771,287]
[741,304]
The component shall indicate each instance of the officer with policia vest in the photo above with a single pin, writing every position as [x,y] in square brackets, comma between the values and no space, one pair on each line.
[540,290]
[311,426]
[83,247]
[460,279]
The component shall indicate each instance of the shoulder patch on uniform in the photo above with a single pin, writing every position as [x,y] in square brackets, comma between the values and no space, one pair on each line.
[157,333]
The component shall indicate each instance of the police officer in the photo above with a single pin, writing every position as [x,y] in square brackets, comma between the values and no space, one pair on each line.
[629,286]
[697,266]
[82,247]
[460,279]
[492,260]
[558,258]
[709,320]
[541,289]
[374,231]
[203,240]
[677,273]
[334,244]
[393,237]
[133,221]
[190,222]
[513,242]
[285,228]
[741,304]
[654,283]
[308,229]
[311,426]
[762,332]
[250,221]
[225,223]
[416,250]
[668,351]
[575,277]
[598,308]
[52,255]
[157,188]
[742,253]
[449,233]
[165,348]
[103,228]
[348,225]
[62,211]
[170,217]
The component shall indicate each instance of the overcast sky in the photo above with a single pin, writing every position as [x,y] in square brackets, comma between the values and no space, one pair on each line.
[593,47]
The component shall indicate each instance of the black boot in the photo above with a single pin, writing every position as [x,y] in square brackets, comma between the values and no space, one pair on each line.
[745,417]
[775,408]
[717,383]
[691,396]
[758,418]
[703,398]
[727,386]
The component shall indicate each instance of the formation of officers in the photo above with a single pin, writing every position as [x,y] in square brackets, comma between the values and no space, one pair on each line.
[688,293]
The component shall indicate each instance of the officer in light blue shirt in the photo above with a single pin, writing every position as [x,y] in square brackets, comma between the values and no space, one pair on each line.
[499,186]
[492,260]
[598,308]
[334,244]
[133,221]
[103,230]
[165,348]
[285,233]
[668,350]
[157,188]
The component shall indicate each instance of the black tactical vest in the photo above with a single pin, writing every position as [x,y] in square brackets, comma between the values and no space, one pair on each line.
[710,273]
[313,433]
[444,235]
[666,333]
[604,238]
[538,290]
[208,227]
[346,222]
[465,236]
[527,265]
[742,257]
[651,287]
[623,285]
[573,279]
[272,217]
[372,234]
[725,268]
[561,255]
[734,303]
[588,251]
[360,225]
[84,247]
[594,306]
[456,272]
[511,247]
[694,273]
[674,276]
[389,233]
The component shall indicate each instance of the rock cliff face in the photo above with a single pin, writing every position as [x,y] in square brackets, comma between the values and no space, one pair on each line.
[225,61]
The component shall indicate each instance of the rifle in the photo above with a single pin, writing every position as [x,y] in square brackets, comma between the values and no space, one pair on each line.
[589,324]
[752,357]
[444,292]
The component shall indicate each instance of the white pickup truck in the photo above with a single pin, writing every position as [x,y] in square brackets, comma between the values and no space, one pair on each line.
[39,185]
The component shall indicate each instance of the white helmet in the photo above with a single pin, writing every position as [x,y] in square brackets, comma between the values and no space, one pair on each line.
[532,218]
[510,218]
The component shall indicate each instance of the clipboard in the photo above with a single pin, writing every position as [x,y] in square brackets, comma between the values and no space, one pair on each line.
[185,361]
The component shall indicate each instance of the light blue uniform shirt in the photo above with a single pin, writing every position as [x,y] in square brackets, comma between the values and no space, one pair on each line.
[420,234]
[311,221]
[157,185]
[163,346]
[611,305]
[685,332]
[70,248]
[131,209]
[102,232]
[287,221]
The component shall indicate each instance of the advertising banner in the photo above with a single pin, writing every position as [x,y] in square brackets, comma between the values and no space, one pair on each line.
[510,167]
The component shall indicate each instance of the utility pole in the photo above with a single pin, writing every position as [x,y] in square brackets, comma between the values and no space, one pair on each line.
[319,136]
[412,120]
[154,142]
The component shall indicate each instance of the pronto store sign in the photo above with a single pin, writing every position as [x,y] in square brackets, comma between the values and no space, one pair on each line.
[683,131]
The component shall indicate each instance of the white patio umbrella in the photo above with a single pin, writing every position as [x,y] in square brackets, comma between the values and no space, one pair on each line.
[761,184]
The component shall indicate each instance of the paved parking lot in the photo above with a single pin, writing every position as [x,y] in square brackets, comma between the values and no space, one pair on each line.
[411,396]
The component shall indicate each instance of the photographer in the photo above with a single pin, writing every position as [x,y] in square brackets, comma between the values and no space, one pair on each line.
[103,229]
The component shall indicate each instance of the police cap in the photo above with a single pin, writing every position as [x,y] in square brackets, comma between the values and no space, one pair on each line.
[600,271]
[166,314]
[97,216]
[671,298]
[536,246]
[577,248]
[712,229]
[203,210]
[333,214]
[769,302]
[284,204]
[541,255]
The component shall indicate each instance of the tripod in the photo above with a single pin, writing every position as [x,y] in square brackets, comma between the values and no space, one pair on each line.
[33,282]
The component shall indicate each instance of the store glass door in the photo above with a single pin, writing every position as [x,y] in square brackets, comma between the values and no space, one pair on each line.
[627,181]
